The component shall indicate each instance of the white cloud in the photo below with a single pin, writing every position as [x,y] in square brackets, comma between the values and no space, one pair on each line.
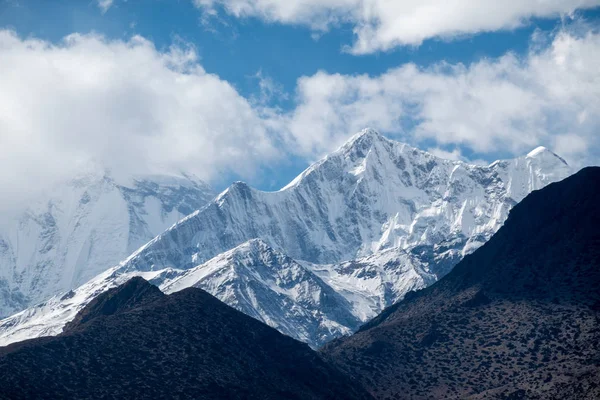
[510,104]
[104,5]
[134,109]
[384,24]
[120,104]
[573,144]
[455,154]
[268,90]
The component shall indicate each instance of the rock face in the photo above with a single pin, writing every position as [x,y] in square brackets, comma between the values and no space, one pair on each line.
[518,318]
[349,236]
[82,227]
[135,342]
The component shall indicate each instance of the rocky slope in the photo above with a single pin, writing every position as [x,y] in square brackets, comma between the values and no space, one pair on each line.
[348,237]
[75,231]
[518,318]
[135,342]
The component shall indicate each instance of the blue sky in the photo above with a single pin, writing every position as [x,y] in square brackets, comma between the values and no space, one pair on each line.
[237,50]
[264,55]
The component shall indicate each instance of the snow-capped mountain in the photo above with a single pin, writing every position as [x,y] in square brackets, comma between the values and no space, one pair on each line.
[310,302]
[371,194]
[349,236]
[75,231]
[275,289]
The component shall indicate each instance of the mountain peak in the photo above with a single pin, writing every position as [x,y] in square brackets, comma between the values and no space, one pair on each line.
[130,294]
[251,246]
[366,137]
[536,151]
[91,221]
[237,188]
[367,132]
[257,243]
[358,145]
[542,152]
[537,222]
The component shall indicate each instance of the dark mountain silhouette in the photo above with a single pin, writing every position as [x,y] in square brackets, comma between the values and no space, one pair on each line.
[135,292]
[135,342]
[517,319]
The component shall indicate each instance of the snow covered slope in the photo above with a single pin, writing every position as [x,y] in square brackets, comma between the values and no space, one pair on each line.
[49,318]
[312,303]
[371,194]
[275,289]
[348,237]
[374,282]
[83,226]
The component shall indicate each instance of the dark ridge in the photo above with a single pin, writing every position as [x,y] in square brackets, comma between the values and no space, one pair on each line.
[518,318]
[132,293]
[547,247]
[134,342]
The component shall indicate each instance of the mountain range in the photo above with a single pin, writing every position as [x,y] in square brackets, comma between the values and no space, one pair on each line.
[348,237]
[519,318]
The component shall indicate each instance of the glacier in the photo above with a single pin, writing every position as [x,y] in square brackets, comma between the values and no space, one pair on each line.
[348,237]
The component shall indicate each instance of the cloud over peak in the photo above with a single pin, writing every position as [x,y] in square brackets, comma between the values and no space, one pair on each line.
[120,104]
[509,104]
[134,109]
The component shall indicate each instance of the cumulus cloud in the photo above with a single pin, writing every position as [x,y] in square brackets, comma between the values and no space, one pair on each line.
[133,109]
[510,104]
[384,24]
[455,154]
[120,104]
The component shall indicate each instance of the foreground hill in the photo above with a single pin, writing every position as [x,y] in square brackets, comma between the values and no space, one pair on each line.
[136,342]
[519,318]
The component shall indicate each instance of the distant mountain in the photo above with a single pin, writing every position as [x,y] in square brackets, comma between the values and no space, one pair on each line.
[83,226]
[349,236]
[517,319]
[135,342]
